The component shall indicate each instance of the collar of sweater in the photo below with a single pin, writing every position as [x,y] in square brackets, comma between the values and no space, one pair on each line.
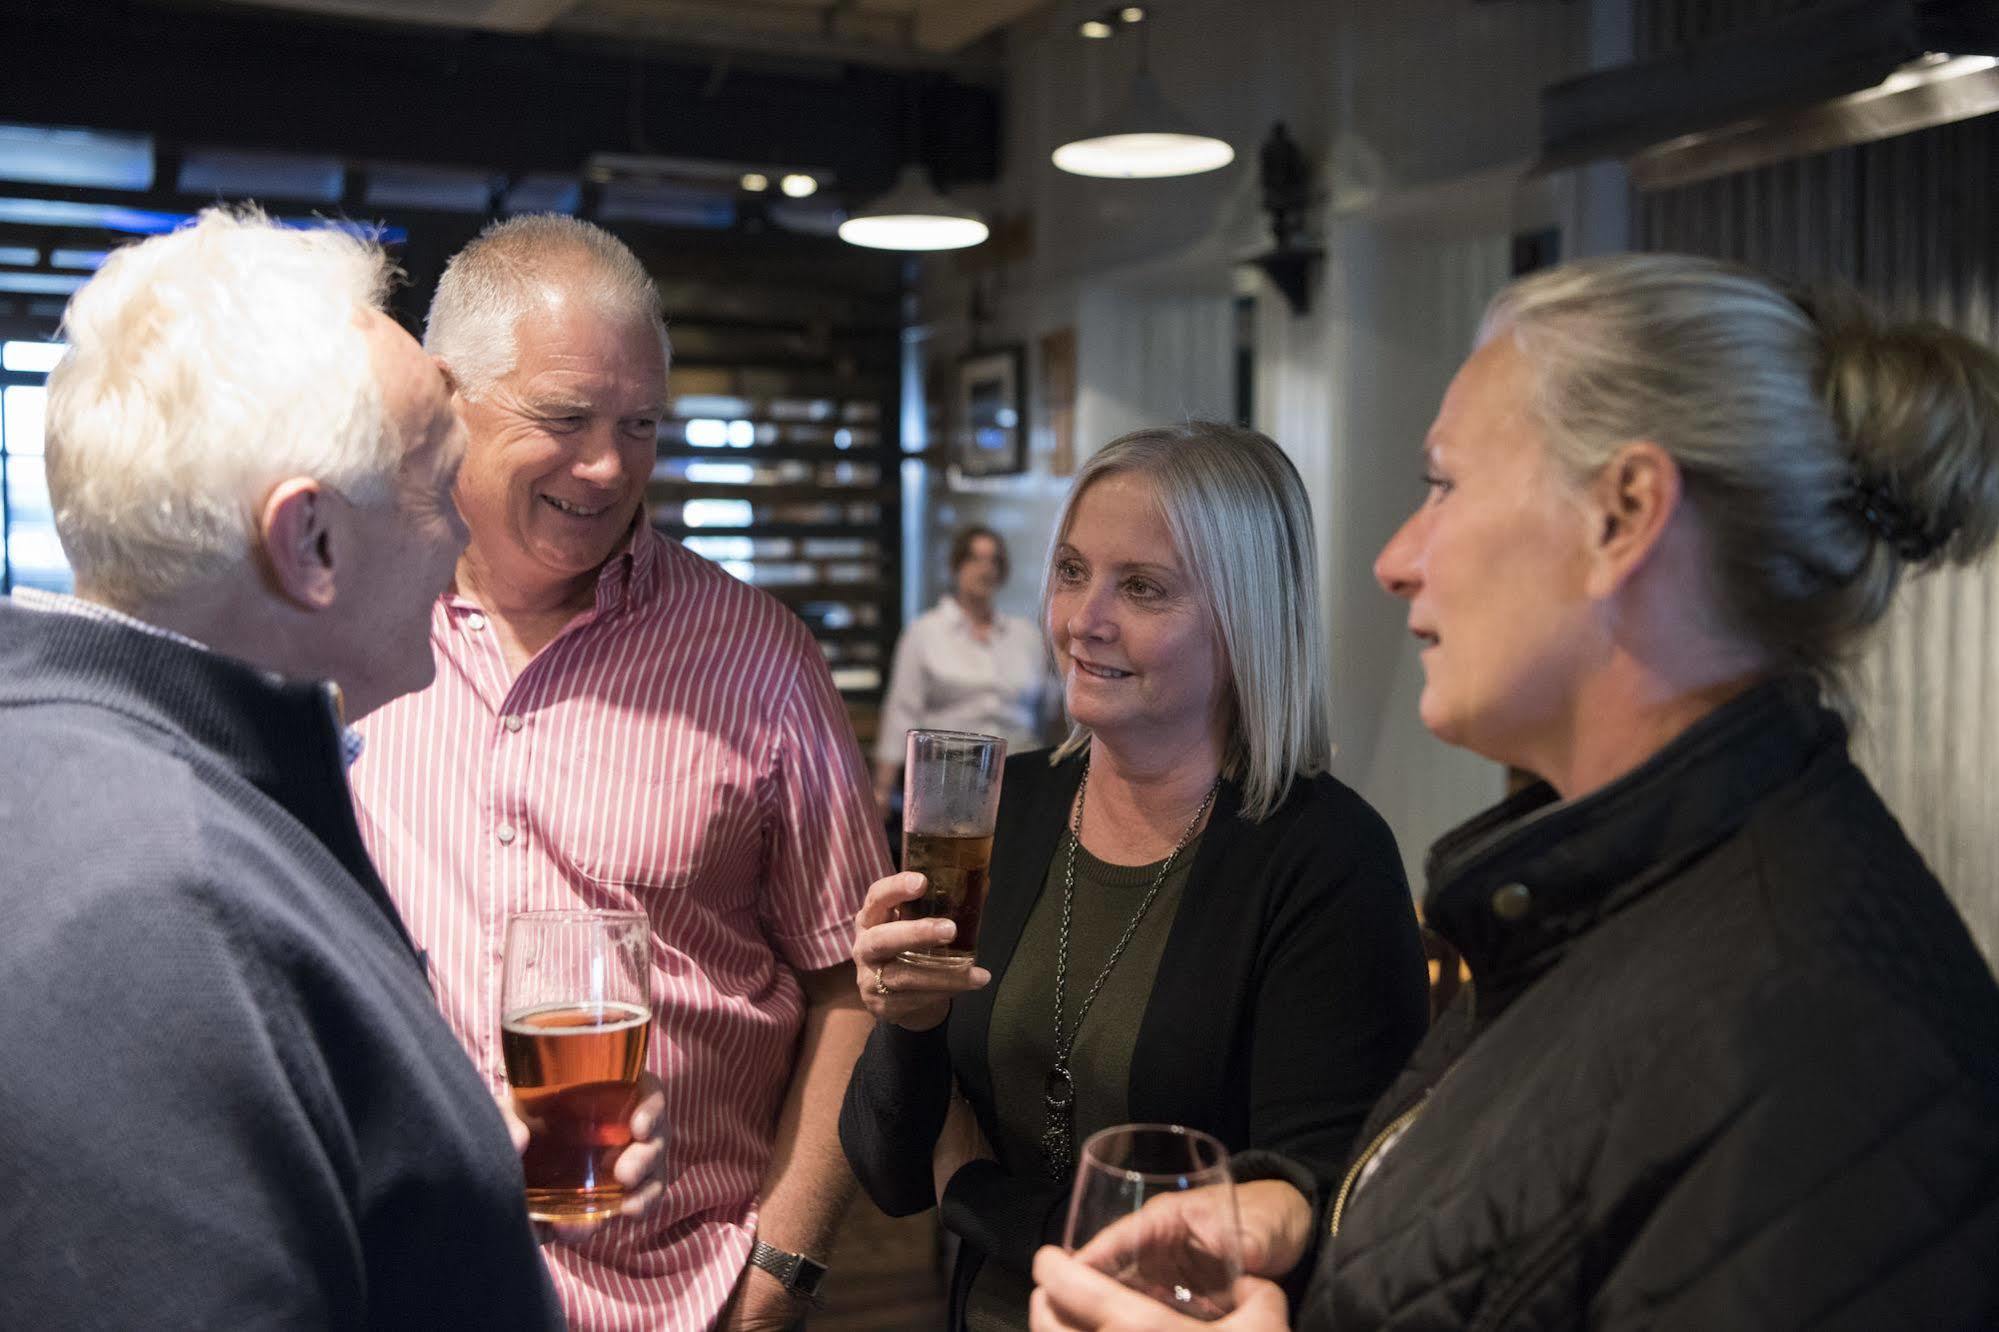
[283,736]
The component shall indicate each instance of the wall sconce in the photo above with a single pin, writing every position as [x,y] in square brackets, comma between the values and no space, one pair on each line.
[1287,195]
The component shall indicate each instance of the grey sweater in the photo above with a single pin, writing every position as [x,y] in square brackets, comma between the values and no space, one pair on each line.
[230,1101]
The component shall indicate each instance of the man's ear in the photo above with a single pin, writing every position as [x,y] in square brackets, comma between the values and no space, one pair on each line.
[1632,500]
[296,525]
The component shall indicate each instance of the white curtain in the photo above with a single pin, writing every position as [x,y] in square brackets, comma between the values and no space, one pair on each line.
[1349,392]
[1148,358]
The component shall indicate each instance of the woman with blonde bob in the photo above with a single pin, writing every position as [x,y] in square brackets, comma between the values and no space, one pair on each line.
[1189,921]
[1730,1058]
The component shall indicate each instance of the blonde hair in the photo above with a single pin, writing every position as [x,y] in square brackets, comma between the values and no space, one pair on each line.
[499,277]
[204,366]
[1239,516]
[1824,449]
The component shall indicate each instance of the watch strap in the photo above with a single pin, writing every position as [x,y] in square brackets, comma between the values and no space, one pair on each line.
[797,1273]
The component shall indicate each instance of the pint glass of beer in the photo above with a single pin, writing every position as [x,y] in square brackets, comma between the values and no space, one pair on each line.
[951,790]
[575,1013]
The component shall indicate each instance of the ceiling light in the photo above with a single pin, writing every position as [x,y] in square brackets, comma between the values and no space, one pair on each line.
[756,182]
[1095,29]
[1132,13]
[914,216]
[1143,139]
[797,185]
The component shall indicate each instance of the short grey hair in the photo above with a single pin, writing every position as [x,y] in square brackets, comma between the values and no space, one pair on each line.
[204,367]
[502,274]
[1790,417]
[1239,516]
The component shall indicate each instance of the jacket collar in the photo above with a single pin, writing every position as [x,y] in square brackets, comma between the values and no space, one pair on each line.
[1513,886]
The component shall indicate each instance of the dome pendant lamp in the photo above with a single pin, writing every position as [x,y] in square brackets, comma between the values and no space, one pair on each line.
[914,216]
[1144,139]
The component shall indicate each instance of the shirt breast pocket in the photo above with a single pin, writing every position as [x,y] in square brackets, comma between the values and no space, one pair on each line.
[624,823]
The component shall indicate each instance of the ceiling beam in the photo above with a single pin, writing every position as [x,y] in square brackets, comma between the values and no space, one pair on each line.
[367,92]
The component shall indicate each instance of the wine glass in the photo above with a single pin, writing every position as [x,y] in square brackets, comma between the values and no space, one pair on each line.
[1154,1206]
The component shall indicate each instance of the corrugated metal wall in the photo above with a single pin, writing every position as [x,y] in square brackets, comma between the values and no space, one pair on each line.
[1910,221]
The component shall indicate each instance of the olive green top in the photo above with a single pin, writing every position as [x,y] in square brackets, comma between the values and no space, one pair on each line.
[1021,1040]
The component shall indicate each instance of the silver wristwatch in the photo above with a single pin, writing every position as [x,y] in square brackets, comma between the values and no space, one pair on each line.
[799,1274]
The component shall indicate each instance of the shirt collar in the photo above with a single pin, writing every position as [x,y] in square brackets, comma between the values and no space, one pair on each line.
[631,572]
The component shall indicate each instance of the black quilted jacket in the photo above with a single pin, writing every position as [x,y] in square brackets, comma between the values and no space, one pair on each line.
[1730,1060]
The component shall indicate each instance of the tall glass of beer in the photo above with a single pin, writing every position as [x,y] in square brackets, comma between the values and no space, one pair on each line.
[575,1014]
[951,790]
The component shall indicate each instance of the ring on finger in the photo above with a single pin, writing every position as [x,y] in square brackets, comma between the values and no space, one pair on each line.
[881,986]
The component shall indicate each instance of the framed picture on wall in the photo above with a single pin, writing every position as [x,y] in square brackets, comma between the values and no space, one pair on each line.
[991,437]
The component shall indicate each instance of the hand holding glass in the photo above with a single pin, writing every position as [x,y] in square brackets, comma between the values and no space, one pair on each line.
[1154,1206]
[951,789]
[576,1012]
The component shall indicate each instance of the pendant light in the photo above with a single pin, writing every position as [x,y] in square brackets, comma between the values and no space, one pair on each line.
[1145,138]
[914,216]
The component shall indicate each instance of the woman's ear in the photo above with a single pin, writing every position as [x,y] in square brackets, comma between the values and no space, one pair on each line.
[296,528]
[1632,500]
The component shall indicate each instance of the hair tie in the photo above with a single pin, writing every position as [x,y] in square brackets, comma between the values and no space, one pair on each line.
[1891,521]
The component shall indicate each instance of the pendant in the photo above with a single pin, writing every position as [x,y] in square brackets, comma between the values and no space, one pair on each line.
[1058,1093]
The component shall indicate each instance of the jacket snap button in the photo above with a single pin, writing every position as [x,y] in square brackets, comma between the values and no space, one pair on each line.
[1512,901]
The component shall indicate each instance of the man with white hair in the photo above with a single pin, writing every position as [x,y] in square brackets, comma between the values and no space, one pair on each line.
[619,723]
[230,1099]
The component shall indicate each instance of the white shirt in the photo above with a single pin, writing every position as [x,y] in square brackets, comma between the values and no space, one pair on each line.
[945,678]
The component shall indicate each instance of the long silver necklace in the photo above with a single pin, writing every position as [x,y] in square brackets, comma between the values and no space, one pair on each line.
[1058,1089]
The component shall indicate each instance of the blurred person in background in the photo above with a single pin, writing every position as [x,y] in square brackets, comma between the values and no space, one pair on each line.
[965,665]
[231,1101]
[1190,921]
[1729,1057]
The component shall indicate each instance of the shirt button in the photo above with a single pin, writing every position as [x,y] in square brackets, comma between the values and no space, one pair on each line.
[475,621]
[1512,901]
[512,723]
[505,832]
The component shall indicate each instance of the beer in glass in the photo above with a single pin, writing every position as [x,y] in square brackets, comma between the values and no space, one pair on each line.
[951,789]
[576,1012]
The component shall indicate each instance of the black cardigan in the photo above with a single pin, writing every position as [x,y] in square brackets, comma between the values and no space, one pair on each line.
[1291,990]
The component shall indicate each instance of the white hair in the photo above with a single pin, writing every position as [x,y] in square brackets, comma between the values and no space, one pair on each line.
[502,275]
[204,367]
[1243,527]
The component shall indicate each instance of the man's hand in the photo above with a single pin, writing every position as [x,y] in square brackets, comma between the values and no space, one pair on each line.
[641,1167]
[1072,1296]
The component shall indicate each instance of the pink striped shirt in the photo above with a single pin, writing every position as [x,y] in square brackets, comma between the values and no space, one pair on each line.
[679,749]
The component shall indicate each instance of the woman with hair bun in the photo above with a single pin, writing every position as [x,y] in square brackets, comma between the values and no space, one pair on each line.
[1730,1059]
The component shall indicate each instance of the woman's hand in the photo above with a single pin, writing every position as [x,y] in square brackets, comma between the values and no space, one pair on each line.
[1072,1296]
[1271,1220]
[913,997]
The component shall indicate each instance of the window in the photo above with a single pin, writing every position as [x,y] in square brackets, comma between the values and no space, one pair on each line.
[30,554]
